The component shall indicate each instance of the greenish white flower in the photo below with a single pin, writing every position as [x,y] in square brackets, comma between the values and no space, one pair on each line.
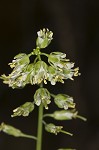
[57,59]
[23,110]
[64,101]
[63,68]
[42,95]
[44,38]
[52,128]
[20,59]
[39,74]
[54,75]
[17,78]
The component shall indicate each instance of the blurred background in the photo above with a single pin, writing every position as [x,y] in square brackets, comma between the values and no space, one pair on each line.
[76,32]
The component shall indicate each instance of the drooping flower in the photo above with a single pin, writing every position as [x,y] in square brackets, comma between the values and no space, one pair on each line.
[64,101]
[54,75]
[17,78]
[53,129]
[23,110]
[57,59]
[42,95]
[39,73]
[20,59]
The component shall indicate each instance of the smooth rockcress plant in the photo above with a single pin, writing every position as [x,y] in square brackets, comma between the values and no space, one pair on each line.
[57,69]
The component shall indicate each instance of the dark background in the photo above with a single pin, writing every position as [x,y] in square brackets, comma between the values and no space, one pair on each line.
[75,24]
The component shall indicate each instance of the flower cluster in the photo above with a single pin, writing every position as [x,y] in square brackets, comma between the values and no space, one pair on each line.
[24,72]
[38,72]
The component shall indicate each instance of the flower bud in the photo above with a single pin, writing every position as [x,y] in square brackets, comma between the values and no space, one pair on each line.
[14,131]
[64,114]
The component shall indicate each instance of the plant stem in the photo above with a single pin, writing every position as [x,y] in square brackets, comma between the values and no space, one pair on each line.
[40,119]
[82,118]
[48,115]
[40,125]
[28,136]
[65,132]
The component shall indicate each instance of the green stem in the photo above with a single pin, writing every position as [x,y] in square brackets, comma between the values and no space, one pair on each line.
[29,136]
[32,53]
[40,125]
[82,118]
[45,54]
[53,95]
[48,115]
[65,132]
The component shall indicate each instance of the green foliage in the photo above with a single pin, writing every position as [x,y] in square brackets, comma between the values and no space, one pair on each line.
[57,69]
